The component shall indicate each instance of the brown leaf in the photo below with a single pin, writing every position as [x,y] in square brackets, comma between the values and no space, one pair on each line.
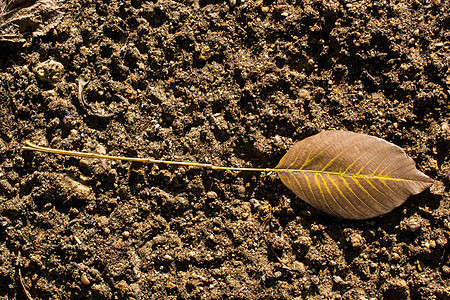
[351,175]
[22,18]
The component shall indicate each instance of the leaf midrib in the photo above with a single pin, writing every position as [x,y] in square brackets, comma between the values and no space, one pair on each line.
[352,175]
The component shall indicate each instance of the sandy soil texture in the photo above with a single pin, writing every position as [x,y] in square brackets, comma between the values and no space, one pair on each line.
[234,83]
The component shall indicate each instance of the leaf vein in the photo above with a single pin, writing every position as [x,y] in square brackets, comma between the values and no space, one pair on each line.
[369,194]
[342,194]
[332,197]
[354,194]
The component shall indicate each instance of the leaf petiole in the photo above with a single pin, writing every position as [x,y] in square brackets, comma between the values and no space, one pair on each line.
[32,147]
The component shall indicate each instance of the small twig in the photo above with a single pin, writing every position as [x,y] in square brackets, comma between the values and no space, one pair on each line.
[372,78]
[21,279]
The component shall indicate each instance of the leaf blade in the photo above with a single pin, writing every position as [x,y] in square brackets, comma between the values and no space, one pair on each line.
[361,176]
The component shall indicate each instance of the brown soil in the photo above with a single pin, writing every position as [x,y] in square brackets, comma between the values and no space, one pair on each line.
[235,84]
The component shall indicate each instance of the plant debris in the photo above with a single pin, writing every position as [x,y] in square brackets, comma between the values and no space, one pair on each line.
[20,19]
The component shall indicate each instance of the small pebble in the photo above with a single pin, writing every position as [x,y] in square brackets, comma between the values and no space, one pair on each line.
[395,256]
[299,266]
[413,224]
[338,279]
[255,204]
[356,240]
[211,195]
[168,257]
[126,234]
[85,280]
[446,269]
[49,71]
[81,190]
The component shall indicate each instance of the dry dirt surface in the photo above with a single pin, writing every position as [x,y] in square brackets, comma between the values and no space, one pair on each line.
[234,83]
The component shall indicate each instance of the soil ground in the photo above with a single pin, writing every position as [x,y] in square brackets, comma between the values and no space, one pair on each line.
[234,83]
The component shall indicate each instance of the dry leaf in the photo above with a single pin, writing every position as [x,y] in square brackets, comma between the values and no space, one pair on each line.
[346,174]
[351,175]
